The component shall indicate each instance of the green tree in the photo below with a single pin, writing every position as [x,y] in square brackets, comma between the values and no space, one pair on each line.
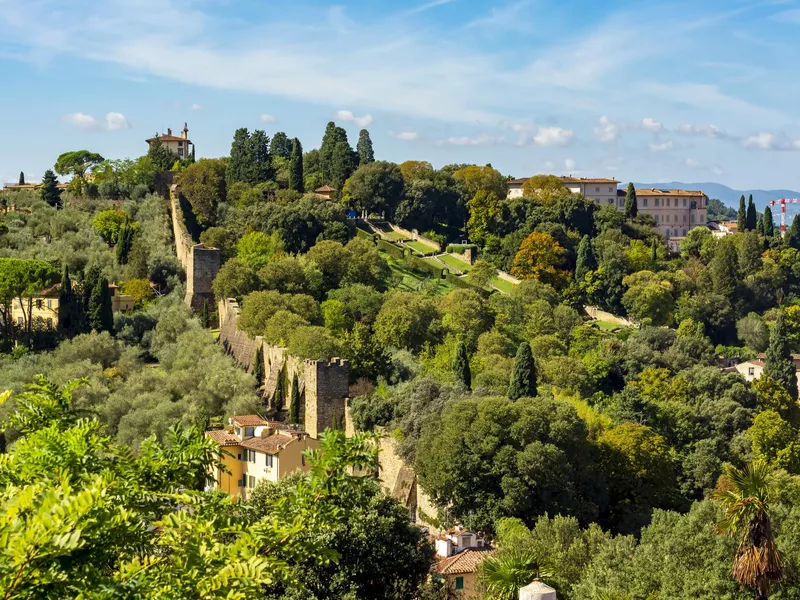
[21,178]
[124,243]
[586,261]
[724,268]
[296,167]
[461,365]
[757,562]
[76,163]
[375,187]
[741,216]
[20,281]
[161,158]
[631,205]
[793,235]
[752,214]
[337,159]
[249,160]
[109,223]
[779,363]
[100,314]
[753,332]
[481,273]
[368,358]
[539,257]
[235,279]
[203,185]
[49,190]
[257,249]
[364,148]
[523,377]
[258,367]
[404,320]
[281,146]
[294,401]
[70,309]
[505,574]
[769,224]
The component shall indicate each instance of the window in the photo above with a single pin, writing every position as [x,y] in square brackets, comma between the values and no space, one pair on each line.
[180,144]
[692,219]
[684,218]
[656,218]
[49,303]
[610,190]
[597,189]
[611,201]
[270,460]
[667,201]
[239,456]
[249,431]
[684,233]
[19,321]
[239,432]
[39,303]
[622,202]
[251,481]
[180,151]
[655,202]
[459,583]
[684,203]
[751,371]
[644,202]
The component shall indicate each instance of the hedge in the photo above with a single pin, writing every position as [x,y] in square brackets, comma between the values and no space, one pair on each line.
[427,267]
[364,234]
[459,248]
[391,249]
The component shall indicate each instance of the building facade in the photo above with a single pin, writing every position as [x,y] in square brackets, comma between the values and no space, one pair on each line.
[258,450]
[180,145]
[602,191]
[43,308]
[460,554]
[675,211]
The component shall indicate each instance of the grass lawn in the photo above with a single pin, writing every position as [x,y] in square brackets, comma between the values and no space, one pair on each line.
[456,263]
[421,248]
[395,236]
[607,326]
[410,281]
[433,261]
[502,285]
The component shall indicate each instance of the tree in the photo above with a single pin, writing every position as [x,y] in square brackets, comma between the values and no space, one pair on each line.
[481,273]
[505,574]
[649,298]
[281,146]
[20,281]
[109,223]
[258,367]
[296,167]
[482,179]
[631,205]
[539,257]
[257,249]
[99,313]
[70,308]
[779,363]
[141,291]
[752,214]
[746,503]
[368,358]
[545,188]
[76,163]
[203,185]
[724,268]
[364,148]
[461,365]
[49,190]
[586,261]
[294,401]
[753,332]
[124,243]
[523,377]
[741,216]
[336,157]
[375,187]
[404,320]
[793,235]
[161,158]
[768,223]
[249,160]
[21,178]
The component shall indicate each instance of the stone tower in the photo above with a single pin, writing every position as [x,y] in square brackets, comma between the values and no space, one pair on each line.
[327,386]
[200,273]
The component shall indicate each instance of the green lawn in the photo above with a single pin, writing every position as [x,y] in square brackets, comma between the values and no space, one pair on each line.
[395,235]
[456,263]
[502,285]
[433,261]
[607,325]
[421,248]
[411,280]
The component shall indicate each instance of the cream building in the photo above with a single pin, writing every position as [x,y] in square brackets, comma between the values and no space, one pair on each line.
[602,191]
[753,369]
[43,309]
[176,144]
[675,211]
[460,553]
[258,450]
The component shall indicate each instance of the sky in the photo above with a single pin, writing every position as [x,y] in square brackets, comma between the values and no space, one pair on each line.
[640,90]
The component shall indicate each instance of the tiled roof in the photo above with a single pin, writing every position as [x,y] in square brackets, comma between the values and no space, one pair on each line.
[570,179]
[222,437]
[325,188]
[272,444]
[466,561]
[249,420]
[170,138]
[657,192]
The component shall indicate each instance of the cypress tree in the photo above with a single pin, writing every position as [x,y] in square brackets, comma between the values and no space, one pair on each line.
[106,309]
[205,318]
[779,364]
[631,204]
[523,377]
[50,192]
[294,401]
[278,398]
[752,214]
[760,224]
[192,155]
[21,178]
[124,243]
[296,167]
[741,216]
[654,252]
[461,365]
[364,148]
[68,307]
[280,146]
[793,235]
[258,366]
[585,261]
[768,224]
[724,268]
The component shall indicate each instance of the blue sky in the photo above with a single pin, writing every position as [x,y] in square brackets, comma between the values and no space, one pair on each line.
[638,90]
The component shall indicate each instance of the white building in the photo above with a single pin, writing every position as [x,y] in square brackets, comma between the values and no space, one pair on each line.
[177,144]
[752,369]
[602,191]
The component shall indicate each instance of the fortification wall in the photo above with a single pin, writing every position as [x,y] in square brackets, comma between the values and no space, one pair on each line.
[200,263]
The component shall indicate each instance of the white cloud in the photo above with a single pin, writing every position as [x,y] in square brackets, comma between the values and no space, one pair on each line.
[265,118]
[703,130]
[428,6]
[553,136]
[569,164]
[650,124]
[663,147]
[196,107]
[115,120]
[406,136]
[346,115]
[606,131]
[770,142]
[693,163]
[80,120]
[483,139]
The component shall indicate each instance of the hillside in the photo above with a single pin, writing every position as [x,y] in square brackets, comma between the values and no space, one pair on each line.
[729,196]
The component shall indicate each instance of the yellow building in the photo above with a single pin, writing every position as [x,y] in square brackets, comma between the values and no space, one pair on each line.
[460,573]
[326,192]
[43,309]
[258,450]
[177,144]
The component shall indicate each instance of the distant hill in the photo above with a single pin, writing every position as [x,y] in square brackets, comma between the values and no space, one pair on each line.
[726,195]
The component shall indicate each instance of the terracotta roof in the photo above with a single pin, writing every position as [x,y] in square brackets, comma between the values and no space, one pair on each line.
[271,445]
[466,561]
[571,179]
[657,192]
[170,138]
[223,438]
[249,420]
[325,188]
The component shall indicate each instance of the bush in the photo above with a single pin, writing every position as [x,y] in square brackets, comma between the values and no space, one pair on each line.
[139,192]
[460,248]
[391,249]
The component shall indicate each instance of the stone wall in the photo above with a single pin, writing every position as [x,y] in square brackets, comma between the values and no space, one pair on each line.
[327,387]
[200,263]
[506,277]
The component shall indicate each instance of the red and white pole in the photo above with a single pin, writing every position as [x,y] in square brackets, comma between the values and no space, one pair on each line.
[783,216]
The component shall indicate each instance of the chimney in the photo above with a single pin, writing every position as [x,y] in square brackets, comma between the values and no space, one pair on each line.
[169,131]
[185,132]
